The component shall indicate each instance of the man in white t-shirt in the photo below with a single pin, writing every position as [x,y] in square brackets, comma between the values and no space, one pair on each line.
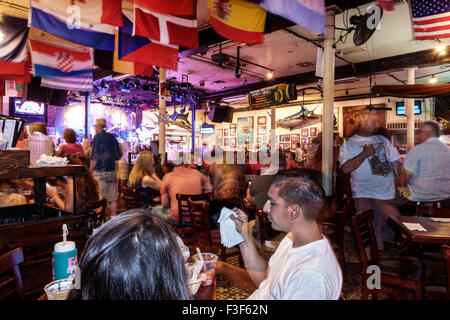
[373,163]
[304,266]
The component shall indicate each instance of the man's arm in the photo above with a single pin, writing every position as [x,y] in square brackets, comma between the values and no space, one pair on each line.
[354,163]
[404,177]
[255,264]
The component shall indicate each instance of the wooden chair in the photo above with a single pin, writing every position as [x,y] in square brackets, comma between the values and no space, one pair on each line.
[433,292]
[429,211]
[97,212]
[333,228]
[207,238]
[131,196]
[11,285]
[404,273]
[185,229]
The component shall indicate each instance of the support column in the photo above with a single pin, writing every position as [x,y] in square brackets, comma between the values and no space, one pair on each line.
[193,128]
[409,103]
[87,107]
[328,104]
[162,111]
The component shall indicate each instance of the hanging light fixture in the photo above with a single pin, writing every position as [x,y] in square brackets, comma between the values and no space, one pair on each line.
[433,79]
[440,47]
[269,75]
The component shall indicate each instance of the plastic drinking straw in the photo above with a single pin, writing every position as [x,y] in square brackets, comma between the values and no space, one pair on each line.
[201,258]
[65,233]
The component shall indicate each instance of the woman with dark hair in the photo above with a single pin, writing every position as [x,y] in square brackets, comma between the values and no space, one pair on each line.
[87,188]
[134,256]
[71,146]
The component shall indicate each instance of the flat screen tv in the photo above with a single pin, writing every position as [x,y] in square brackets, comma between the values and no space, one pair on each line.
[401,110]
[29,108]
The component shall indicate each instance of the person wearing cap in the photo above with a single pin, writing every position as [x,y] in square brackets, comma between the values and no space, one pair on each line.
[105,152]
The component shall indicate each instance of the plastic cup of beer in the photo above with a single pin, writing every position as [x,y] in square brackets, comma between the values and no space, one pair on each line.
[209,265]
[59,289]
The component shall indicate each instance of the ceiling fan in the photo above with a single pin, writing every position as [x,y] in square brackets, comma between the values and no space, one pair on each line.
[364,26]
[220,58]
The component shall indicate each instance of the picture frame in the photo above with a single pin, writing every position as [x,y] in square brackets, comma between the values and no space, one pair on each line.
[281,137]
[305,132]
[262,120]
[295,137]
[262,130]
[287,137]
[244,130]
[226,142]
[219,137]
[233,129]
[232,142]
[258,139]
[293,145]
[225,132]
[305,141]
[313,131]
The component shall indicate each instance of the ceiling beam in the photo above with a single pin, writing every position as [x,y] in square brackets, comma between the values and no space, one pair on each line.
[419,59]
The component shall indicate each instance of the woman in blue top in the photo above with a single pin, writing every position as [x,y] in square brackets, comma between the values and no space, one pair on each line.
[144,179]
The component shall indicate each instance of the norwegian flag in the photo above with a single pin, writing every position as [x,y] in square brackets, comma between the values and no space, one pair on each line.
[430,19]
[65,61]
[166,29]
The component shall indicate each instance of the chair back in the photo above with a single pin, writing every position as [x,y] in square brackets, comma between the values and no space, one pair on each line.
[184,215]
[200,222]
[430,211]
[365,238]
[11,284]
[131,197]
[97,211]
[446,256]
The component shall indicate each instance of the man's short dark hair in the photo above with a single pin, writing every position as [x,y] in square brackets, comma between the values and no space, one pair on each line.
[304,192]
[433,126]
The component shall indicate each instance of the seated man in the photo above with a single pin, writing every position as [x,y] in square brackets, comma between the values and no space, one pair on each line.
[425,169]
[304,266]
[182,180]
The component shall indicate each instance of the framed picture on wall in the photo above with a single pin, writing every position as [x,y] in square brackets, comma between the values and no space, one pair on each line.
[258,139]
[305,141]
[281,137]
[262,120]
[264,138]
[305,132]
[225,132]
[287,137]
[244,130]
[232,142]
[232,129]
[287,146]
[261,130]
[295,137]
[313,131]
[226,142]
[293,145]
[240,146]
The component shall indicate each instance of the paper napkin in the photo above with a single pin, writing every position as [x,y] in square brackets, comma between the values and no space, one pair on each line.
[414,226]
[228,233]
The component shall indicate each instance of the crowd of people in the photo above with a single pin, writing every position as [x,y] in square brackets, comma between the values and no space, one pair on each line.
[287,189]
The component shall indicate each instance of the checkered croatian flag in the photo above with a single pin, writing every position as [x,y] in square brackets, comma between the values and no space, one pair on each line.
[430,19]
[65,61]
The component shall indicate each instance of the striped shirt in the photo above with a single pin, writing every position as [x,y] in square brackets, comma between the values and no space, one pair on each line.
[429,164]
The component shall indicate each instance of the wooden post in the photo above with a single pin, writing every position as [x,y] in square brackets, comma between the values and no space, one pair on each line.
[193,128]
[328,104]
[162,111]
[409,103]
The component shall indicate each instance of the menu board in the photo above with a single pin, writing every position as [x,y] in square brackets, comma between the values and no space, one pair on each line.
[272,96]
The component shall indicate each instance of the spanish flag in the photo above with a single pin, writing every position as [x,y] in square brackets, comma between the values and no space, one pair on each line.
[238,20]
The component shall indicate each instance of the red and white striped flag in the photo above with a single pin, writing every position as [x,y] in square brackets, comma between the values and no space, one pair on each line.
[430,19]
[166,29]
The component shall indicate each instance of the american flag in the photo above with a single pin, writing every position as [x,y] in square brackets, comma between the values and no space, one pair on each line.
[430,19]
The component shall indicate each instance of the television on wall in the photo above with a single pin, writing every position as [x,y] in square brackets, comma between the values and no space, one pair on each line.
[401,109]
[28,108]
[206,129]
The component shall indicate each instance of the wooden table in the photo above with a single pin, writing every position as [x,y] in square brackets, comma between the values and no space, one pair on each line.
[437,232]
[203,293]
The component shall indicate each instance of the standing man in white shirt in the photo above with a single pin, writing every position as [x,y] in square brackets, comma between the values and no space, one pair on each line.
[304,266]
[426,168]
[373,163]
